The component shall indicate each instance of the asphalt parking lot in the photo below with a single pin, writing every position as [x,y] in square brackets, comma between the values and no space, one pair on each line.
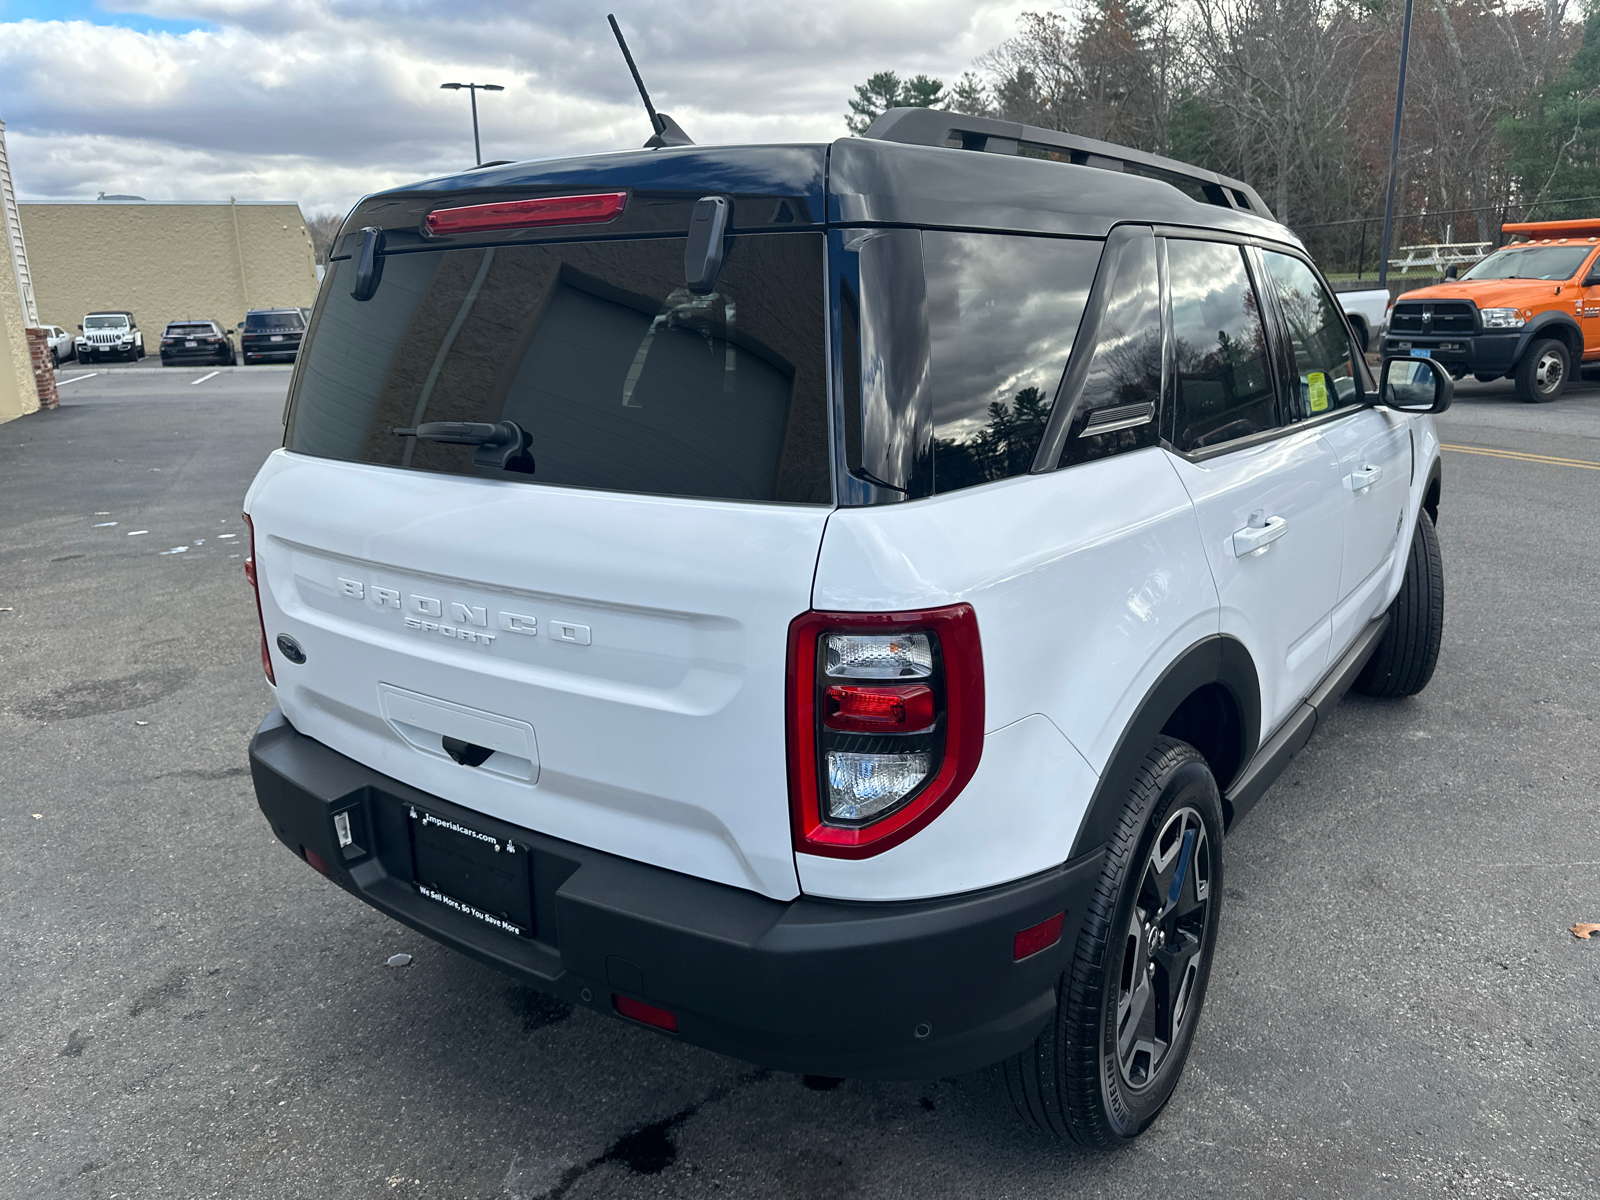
[1397,1008]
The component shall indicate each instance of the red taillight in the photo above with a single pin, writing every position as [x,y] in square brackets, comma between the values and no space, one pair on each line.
[647,1014]
[169,341]
[1038,937]
[316,861]
[520,214]
[885,724]
[878,709]
[250,574]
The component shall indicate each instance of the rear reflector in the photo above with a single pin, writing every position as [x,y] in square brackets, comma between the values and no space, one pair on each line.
[316,861]
[647,1014]
[878,709]
[521,214]
[255,587]
[1038,937]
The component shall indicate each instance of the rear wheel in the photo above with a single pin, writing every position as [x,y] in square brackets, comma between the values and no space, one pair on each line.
[1127,1007]
[1542,372]
[1404,661]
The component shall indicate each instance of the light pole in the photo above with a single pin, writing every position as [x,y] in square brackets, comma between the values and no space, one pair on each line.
[474,89]
[1394,149]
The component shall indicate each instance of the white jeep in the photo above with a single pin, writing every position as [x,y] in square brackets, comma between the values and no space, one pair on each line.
[828,603]
[109,335]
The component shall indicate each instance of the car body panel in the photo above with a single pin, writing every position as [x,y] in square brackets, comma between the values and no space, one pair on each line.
[642,640]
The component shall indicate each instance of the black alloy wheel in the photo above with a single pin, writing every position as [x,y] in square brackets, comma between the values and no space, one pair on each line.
[1130,999]
[1161,951]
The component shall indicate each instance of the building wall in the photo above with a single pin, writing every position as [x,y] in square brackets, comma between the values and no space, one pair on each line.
[18,394]
[167,262]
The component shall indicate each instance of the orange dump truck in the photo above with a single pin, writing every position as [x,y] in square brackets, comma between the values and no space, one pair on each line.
[1530,311]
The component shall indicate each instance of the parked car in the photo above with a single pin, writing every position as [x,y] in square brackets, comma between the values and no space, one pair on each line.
[828,603]
[271,334]
[196,342]
[1368,313]
[1529,312]
[60,343]
[110,334]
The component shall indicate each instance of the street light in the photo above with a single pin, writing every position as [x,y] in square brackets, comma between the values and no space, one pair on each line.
[474,88]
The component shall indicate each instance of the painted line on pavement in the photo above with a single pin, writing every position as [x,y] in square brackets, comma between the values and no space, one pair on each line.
[76,378]
[203,378]
[1546,459]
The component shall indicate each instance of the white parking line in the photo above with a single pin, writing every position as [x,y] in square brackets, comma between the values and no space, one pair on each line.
[203,378]
[76,378]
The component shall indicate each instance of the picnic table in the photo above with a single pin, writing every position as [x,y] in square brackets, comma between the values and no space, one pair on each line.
[1439,255]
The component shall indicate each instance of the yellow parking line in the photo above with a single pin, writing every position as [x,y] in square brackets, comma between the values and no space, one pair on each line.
[1521,457]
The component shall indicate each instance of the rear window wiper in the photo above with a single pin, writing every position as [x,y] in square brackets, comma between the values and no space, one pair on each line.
[502,444]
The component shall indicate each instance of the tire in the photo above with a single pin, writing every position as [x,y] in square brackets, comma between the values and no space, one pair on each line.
[1542,371]
[1076,1081]
[55,358]
[1404,661]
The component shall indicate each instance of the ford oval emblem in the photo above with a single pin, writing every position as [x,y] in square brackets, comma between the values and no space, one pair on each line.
[291,648]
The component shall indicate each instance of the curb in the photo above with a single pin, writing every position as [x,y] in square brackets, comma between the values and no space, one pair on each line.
[107,368]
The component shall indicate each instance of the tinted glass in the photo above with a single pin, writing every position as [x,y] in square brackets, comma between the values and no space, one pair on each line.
[1117,408]
[274,320]
[1002,313]
[624,379]
[1224,381]
[1534,262]
[115,322]
[1318,338]
[189,328]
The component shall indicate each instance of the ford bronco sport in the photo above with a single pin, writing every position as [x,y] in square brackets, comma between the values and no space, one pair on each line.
[1529,311]
[828,603]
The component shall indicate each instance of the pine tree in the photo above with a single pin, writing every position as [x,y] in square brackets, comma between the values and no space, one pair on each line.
[1555,148]
[887,90]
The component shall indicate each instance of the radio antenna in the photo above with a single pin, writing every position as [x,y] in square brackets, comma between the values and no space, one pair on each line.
[664,130]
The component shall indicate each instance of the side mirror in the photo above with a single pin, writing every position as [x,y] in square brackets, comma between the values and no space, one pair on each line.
[1593,280]
[1451,271]
[1416,385]
[80,328]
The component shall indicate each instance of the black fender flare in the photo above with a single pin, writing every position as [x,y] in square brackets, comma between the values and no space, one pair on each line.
[1216,659]
[1551,324]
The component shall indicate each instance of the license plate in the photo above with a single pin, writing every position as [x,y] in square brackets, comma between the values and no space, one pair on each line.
[277,337]
[1420,353]
[191,345]
[471,872]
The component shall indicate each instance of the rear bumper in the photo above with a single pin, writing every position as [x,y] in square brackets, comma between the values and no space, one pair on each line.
[1468,354]
[905,990]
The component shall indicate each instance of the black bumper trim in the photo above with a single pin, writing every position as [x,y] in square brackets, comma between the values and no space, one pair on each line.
[816,986]
[1479,353]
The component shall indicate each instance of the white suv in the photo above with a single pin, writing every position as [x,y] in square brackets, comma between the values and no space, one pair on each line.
[104,334]
[829,603]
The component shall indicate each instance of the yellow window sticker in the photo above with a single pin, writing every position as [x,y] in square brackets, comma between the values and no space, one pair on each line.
[1319,391]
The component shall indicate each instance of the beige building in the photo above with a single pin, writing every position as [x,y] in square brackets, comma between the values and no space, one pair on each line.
[209,260]
[18,392]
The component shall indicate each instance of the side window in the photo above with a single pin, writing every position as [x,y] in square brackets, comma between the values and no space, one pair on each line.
[1318,339]
[1117,408]
[1003,310]
[1223,376]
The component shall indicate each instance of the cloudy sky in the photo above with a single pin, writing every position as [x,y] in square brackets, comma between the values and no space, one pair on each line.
[320,101]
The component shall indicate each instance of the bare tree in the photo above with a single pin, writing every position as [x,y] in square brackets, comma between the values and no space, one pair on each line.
[323,227]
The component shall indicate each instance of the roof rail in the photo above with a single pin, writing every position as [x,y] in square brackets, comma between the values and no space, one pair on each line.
[930,127]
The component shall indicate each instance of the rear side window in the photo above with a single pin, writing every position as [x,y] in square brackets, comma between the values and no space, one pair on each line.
[624,379]
[1002,313]
[1121,394]
[1223,374]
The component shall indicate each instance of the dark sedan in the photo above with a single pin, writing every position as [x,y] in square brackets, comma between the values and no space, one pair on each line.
[197,342]
[272,334]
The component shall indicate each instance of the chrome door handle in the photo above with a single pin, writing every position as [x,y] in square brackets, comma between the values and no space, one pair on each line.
[1258,539]
[1361,480]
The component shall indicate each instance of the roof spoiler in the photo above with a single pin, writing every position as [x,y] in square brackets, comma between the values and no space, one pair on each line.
[929,127]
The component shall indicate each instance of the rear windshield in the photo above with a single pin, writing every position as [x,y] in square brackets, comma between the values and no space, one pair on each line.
[189,328]
[275,320]
[624,379]
[1534,262]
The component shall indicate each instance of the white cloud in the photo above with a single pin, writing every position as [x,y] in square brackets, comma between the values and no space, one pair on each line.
[322,102]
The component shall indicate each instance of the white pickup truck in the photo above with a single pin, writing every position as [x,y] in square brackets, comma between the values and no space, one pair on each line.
[1368,312]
